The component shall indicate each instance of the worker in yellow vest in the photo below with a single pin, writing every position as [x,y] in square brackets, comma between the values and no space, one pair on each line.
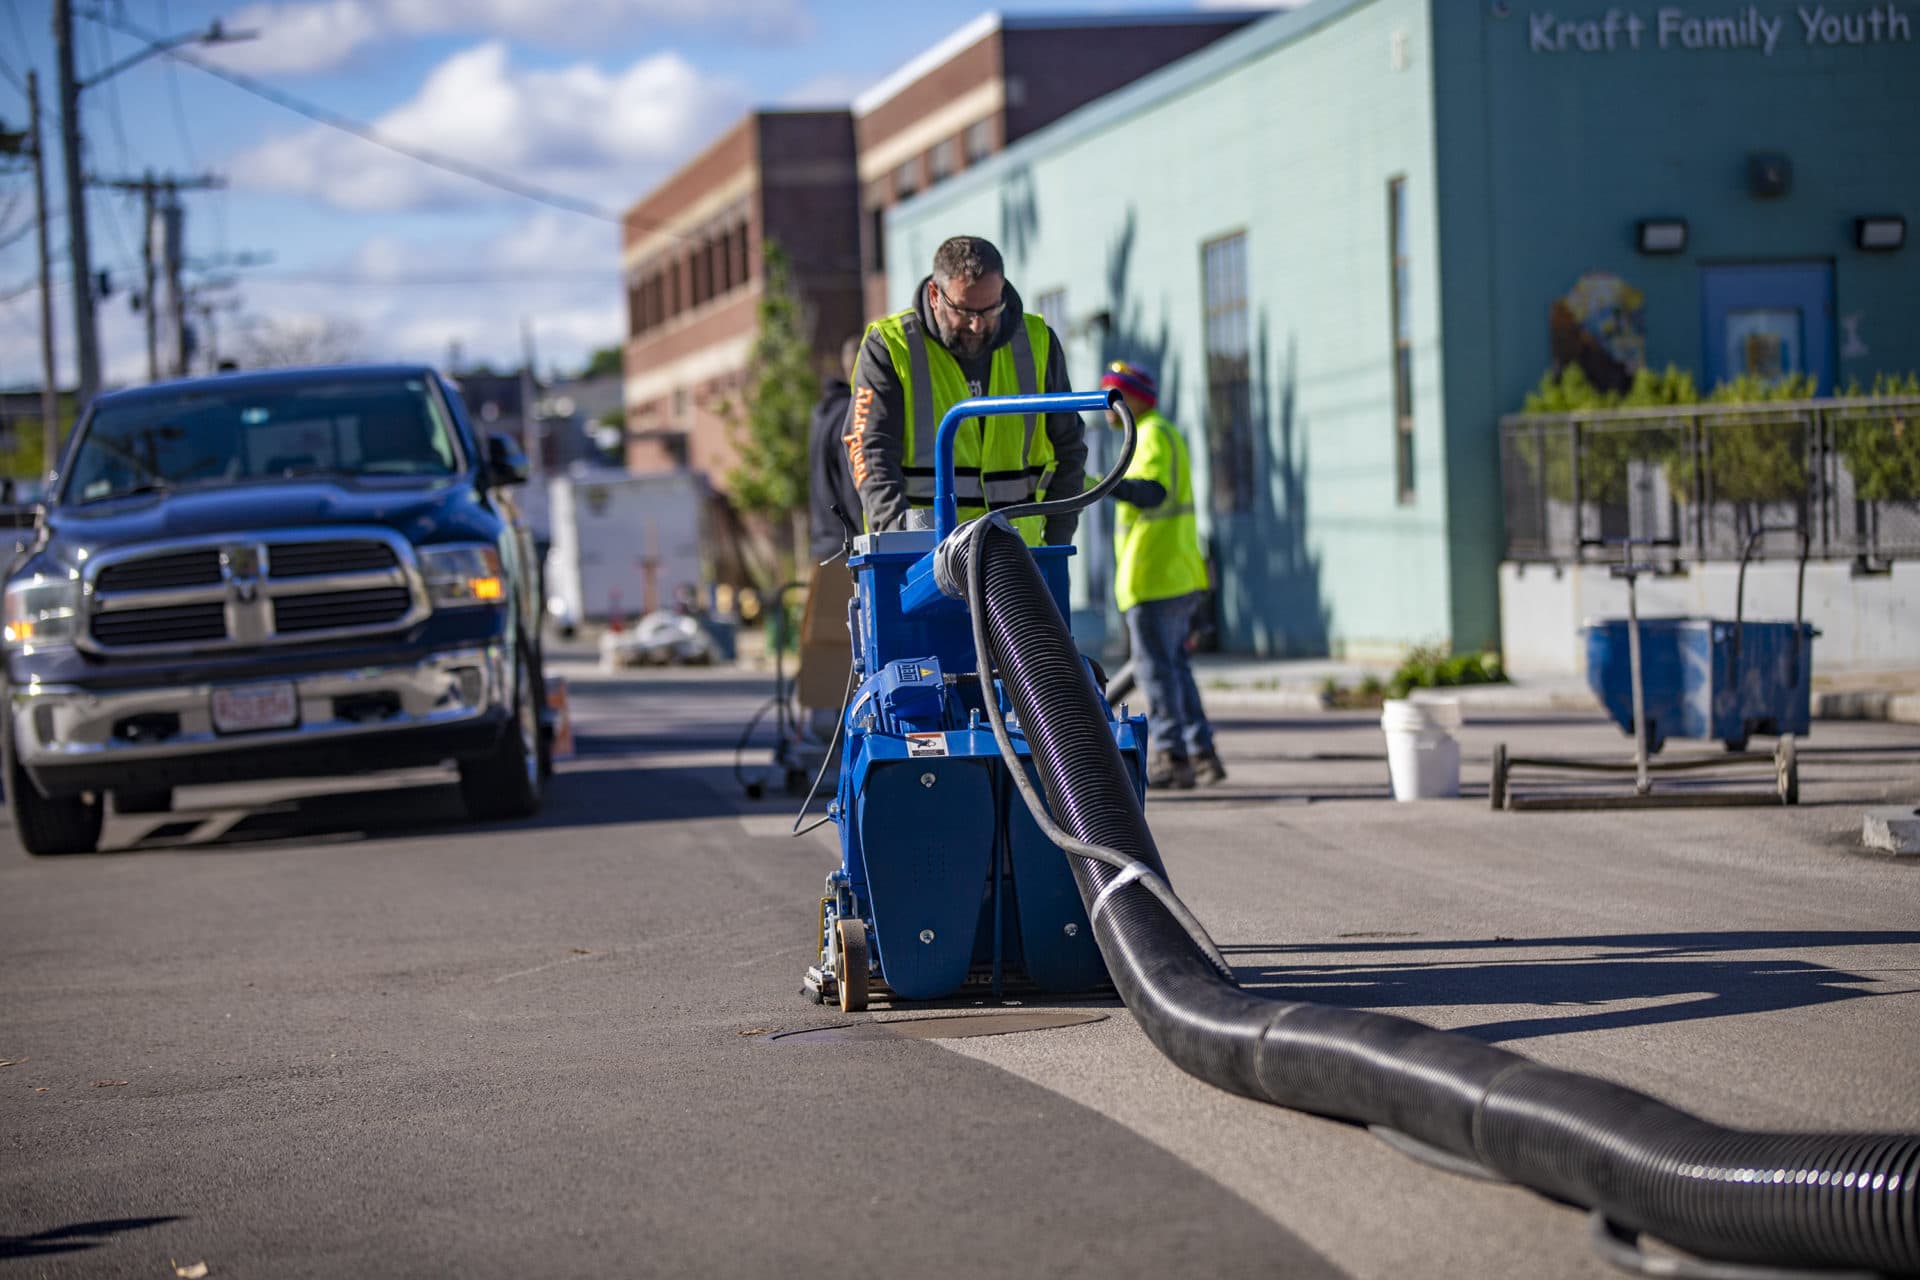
[966,335]
[1159,578]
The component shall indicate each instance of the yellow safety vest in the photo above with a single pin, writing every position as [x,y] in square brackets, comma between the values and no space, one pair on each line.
[1011,460]
[1157,549]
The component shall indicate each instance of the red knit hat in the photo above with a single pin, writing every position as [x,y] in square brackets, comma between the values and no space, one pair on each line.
[1134,379]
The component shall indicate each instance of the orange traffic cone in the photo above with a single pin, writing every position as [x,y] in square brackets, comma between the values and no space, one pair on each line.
[562,718]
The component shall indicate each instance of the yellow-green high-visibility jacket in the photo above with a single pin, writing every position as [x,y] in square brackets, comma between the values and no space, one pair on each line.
[1156,550]
[997,461]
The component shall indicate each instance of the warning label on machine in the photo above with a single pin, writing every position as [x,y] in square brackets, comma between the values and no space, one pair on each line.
[926,744]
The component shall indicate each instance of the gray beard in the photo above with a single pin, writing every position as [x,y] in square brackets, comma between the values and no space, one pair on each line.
[964,343]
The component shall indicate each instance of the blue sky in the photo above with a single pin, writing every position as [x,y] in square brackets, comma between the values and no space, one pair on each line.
[596,99]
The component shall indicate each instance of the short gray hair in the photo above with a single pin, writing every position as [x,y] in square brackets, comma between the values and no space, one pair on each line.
[968,259]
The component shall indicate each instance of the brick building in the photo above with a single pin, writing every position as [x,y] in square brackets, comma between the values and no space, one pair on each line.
[691,247]
[990,84]
[691,256]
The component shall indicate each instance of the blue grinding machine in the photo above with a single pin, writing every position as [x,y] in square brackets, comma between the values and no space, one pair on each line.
[945,880]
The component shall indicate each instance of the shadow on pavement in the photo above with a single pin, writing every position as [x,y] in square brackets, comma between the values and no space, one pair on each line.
[586,798]
[1651,967]
[75,1237]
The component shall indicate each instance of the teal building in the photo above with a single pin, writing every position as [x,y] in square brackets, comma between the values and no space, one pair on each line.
[1354,234]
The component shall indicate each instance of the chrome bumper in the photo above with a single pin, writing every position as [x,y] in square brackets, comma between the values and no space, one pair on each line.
[63,724]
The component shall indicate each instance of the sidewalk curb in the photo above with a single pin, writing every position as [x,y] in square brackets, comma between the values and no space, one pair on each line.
[1892,708]
[1853,704]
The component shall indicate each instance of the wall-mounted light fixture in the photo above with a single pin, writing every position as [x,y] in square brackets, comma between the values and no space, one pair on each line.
[1661,235]
[1880,234]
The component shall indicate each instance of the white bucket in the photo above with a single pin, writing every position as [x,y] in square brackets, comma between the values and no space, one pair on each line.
[1422,756]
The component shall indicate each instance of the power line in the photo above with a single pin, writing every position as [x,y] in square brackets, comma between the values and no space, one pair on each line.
[104,46]
[13,77]
[173,92]
[21,231]
[366,133]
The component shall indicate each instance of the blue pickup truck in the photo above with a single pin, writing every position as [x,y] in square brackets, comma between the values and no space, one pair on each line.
[295,573]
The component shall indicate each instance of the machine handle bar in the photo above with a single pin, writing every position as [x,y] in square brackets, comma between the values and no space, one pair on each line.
[946,512]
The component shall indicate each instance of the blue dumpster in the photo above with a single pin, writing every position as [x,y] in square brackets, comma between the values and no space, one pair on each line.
[1705,678]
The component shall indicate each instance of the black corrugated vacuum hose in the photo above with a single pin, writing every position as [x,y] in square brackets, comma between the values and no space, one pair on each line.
[1800,1199]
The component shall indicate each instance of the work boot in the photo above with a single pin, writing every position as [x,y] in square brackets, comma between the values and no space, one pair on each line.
[1169,772]
[1208,770]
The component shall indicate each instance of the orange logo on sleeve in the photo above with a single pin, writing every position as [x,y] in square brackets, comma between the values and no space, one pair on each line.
[856,456]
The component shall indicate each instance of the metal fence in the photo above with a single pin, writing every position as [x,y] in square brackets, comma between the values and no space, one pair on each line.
[1846,473]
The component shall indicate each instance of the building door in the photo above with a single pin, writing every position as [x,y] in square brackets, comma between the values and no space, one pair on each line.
[1770,320]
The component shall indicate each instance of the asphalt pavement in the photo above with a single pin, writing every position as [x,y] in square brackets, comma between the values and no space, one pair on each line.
[334,1028]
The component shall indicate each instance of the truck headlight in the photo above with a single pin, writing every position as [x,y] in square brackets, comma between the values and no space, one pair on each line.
[463,575]
[42,611]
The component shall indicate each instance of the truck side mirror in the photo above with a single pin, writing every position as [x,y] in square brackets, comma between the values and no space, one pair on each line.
[506,464]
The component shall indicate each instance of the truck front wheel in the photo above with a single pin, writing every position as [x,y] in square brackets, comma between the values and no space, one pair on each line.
[505,783]
[63,824]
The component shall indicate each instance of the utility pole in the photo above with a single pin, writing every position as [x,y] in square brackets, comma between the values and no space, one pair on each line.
[160,249]
[85,336]
[49,389]
[85,329]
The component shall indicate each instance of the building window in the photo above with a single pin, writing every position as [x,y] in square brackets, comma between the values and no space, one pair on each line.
[1051,306]
[906,179]
[979,140]
[1402,342]
[1229,374]
[944,161]
[877,237]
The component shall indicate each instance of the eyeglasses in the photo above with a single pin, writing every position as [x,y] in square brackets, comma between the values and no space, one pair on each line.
[988,314]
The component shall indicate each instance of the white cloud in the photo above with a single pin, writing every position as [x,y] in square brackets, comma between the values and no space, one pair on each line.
[318,35]
[296,38]
[414,298]
[577,129]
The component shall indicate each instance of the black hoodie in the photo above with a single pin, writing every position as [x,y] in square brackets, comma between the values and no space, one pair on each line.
[882,437]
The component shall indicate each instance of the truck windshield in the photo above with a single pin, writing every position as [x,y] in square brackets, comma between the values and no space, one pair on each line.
[215,434]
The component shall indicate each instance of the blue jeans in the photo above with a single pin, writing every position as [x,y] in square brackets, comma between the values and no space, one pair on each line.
[1175,720]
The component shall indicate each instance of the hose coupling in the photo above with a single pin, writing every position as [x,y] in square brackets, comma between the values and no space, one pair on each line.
[949,570]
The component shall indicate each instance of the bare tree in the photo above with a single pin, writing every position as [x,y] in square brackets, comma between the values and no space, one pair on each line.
[267,342]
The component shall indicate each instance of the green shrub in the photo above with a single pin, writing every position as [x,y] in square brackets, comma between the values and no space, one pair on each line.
[1431,666]
[1757,460]
[1882,448]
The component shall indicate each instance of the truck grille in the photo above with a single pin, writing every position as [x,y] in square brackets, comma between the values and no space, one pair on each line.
[240,592]
[312,559]
[197,568]
[174,624]
[326,610]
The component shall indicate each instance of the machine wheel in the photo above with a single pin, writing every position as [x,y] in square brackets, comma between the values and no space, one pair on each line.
[506,782]
[46,827]
[158,800]
[850,964]
[1786,770]
[1497,784]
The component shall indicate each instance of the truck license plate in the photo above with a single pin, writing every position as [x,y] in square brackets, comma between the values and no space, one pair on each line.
[248,708]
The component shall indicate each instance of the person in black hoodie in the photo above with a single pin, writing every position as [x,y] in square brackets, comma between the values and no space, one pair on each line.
[829,482]
[966,334]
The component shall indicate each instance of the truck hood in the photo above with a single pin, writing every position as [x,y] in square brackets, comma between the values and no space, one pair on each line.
[443,509]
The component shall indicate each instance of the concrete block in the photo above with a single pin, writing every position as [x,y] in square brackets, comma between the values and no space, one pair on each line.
[1895,829]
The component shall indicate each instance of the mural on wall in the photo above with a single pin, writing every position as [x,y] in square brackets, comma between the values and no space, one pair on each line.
[1598,325]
